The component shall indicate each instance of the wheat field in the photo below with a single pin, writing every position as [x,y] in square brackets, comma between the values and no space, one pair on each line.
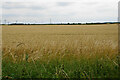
[77,40]
[49,42]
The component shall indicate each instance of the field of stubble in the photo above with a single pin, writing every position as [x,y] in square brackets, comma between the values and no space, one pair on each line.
[60,51]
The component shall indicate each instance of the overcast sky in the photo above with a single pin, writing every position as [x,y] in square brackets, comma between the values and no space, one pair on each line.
[41,11]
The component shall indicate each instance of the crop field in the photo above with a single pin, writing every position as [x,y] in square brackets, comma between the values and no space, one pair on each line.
[60,51]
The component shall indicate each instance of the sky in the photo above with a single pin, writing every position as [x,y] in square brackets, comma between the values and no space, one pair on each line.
[59,11]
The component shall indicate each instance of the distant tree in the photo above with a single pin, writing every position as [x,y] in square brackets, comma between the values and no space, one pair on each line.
[79,23]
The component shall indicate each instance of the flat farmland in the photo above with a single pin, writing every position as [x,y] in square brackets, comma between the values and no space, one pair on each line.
[60,46]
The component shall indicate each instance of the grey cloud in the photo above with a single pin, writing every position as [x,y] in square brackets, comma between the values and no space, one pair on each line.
[13,5]
[17,5]
[64,3]
[37,7]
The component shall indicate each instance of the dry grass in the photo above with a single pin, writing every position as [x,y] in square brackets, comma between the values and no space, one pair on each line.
[46,42]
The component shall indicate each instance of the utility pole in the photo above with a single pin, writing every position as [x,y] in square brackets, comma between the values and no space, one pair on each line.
[16,21]
[5,21]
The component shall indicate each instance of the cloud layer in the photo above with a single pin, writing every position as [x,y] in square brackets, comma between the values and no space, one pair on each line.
[60,11]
